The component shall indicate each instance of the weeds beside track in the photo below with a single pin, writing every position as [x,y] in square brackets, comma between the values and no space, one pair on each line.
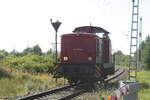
[71,92]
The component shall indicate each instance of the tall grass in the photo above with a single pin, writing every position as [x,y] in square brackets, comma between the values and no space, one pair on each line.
[17,83]
[144,79]
[98,92]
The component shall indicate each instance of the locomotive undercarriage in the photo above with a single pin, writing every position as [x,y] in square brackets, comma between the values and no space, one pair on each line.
[75,73]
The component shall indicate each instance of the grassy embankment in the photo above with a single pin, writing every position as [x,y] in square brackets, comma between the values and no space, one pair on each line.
[16,83]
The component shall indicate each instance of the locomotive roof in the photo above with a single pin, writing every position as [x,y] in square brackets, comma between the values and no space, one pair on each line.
[90,29]
[72,34]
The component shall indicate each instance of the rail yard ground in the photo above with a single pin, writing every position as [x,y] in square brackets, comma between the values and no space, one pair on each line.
[16,83]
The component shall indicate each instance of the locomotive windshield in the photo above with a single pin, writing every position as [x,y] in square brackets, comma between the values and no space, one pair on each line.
[90,29]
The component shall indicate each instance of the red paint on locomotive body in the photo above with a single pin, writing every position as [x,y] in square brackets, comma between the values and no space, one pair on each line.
[79,48]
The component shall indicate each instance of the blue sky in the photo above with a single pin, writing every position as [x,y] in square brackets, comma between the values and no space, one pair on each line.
[27,22]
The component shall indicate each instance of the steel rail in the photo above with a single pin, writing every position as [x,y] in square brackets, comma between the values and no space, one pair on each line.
[48,92]
[77,93]
[115,76]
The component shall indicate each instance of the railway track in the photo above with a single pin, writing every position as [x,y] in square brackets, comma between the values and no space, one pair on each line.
[45,93]
[117,74]
[66,92]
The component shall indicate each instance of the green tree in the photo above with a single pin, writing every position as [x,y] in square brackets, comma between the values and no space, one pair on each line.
[14,53]
[145,50]
[27,51]
[34,50]
[37,50]
[49,53]
[3,54]
[121,59]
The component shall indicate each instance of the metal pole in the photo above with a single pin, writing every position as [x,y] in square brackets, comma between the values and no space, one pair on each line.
[55,26]
[56,45]
[140,48]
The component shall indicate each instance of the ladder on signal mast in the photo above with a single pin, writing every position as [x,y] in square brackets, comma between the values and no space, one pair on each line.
[133,61]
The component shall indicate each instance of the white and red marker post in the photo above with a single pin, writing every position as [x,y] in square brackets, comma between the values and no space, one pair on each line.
[127,91]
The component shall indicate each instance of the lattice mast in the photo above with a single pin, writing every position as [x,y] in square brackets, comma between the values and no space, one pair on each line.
[133,63]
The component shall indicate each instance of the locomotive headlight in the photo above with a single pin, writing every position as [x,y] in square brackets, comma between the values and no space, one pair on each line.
[89,58]
[65,58]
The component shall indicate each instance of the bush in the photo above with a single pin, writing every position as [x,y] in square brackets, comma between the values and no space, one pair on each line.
[31,63]
[4,73]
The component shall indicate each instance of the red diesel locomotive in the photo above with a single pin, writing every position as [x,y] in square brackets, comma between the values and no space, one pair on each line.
[85,55]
